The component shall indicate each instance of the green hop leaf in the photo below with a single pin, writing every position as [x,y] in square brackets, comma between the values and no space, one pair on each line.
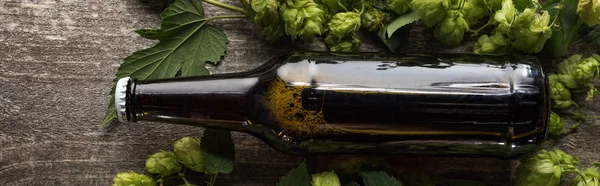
[451,29]
[332,6]
[350,45]
[163,163]
[589,11]
[495,5]
[398,6]
[545,168]
[589,177]
[186,43]
[132,179]
[343,23]
[505,17]
[432,11]
[378,178]
[266,14]
[373,19]
[325,179]
[533,38]
[296,177]
[187,151]
[218,151]
[473,11]
[490,45]
[557,126]
[560,95]
[303,19]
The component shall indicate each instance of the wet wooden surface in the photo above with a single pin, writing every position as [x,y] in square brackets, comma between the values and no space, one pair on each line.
[57,62]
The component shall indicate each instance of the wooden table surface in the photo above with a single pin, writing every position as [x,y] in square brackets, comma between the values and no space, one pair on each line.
[57,62]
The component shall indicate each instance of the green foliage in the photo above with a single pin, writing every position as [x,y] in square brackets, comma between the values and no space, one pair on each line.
[401,21]
[496,44]
[132,179]
[589,177]
[325,179]
[398,6]
[218,151]
[378,178]
[186,43]
[451,29]
[432,11]
[589,11]
[303,19]
[296,177]
[546,168]
[163,163]
[187,151]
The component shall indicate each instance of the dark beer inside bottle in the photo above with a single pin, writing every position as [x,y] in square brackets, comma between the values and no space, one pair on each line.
[373,101]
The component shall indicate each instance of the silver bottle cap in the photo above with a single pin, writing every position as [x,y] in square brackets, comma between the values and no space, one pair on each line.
[120,101]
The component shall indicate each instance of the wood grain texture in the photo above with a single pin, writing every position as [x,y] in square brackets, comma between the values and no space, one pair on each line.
[57,62]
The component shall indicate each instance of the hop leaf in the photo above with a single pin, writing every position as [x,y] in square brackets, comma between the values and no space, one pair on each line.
[343,23]
[495,5]
[398,6]
[373,19]
[557,126]
[546,168]
[266,14]
[490,45]
[163,163]
[451,29]
[432,11]
[325,179]
[590,177]
[132,179]
[533,38]
[187,151]
[473,12]
[589,11]
[303,19]
[559,94]
[350,45]
[332,6]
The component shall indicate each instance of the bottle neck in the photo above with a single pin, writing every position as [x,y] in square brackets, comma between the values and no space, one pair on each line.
[191,100]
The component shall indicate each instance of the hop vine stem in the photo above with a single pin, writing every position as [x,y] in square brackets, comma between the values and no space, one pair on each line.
[226,6]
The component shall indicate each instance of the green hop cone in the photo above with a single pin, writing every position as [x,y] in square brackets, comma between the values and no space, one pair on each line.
[589,11]
[373,19]
[325,179]
[589,177]
[187,151]
[451,29]
[163,163]
[350,45]
[344,23]
[132,179]
[545,168]
[505,17]
[431,11]
[303,19]
[398,6]
[560,95]
[577,72]
[473,11]
[490,45]
[532,39]
[557,126]
[266,14]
